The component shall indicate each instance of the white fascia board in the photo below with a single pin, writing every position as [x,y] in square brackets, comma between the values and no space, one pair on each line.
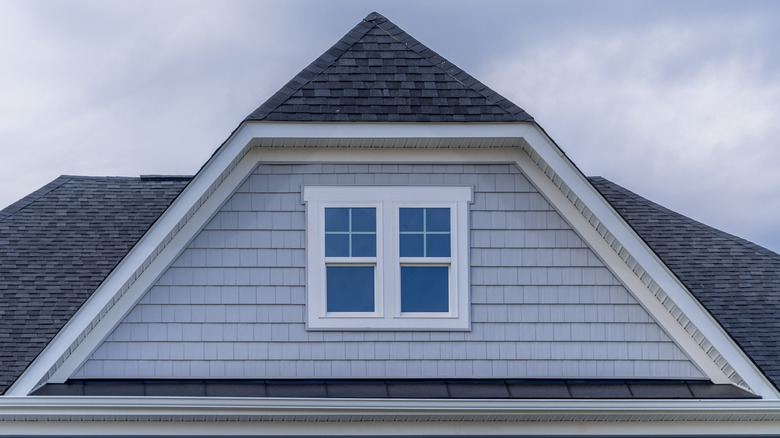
[266,130]
[361,428]
[198,416]
[653,266]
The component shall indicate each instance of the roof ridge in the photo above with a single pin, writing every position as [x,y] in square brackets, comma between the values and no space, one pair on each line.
[700,225]
[312,70]
[34,196]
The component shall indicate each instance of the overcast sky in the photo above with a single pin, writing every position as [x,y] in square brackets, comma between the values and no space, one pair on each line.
[677,101]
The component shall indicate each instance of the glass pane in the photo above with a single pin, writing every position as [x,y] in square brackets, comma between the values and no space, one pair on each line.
[412,245]
[350,288]
[363,219]
[437,219]
[411,219]
[336,219]
[337,245]
[364,245]
[425,289]
[437,245]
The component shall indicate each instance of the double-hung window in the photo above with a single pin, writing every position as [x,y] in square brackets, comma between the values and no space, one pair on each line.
[350,259]
[387,257]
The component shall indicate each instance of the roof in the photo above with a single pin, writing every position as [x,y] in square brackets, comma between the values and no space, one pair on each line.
[57,245]
[378,73]
[403,388]
[737,281]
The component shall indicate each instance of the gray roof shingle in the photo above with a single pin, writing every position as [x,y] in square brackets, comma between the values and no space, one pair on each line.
[57,245]
[736,280]
[378,73]
[401,388]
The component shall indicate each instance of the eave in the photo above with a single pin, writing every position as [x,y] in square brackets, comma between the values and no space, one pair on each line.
[142,415]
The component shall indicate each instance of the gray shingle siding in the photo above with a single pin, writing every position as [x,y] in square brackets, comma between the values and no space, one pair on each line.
[543,305]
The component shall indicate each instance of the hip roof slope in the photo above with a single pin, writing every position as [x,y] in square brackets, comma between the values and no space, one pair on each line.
[737,281]
[56,247]
[378,73]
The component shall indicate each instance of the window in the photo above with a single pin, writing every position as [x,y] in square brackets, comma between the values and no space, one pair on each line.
[387,258]
[350,259]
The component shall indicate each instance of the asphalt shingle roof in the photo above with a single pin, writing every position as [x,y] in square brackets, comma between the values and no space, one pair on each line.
[401,388]
[378,73]
[736,280]
[57,245]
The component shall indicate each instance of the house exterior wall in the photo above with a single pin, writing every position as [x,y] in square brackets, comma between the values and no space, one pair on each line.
[542,304]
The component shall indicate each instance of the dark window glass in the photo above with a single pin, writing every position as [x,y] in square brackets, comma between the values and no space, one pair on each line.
[363,219]
[411,219]
[350,288]
[412,245]
[350,232]
[363,245]
[437,219]
[437,245]
[336,219]
[337,245]
[425,289]
[424,232]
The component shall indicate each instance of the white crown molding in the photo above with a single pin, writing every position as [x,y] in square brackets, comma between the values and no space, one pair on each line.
[271,416]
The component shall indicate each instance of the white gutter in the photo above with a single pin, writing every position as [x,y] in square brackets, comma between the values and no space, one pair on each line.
[100,408]
[82,416]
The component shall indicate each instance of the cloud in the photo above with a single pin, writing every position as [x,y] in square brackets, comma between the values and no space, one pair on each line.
[658,110]
[676,102]
[131,87]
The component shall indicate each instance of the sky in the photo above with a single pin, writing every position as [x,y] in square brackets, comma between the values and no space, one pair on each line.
[676,101]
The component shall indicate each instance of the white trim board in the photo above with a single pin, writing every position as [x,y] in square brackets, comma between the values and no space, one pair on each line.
[386,200]
[219,416]
[420,143]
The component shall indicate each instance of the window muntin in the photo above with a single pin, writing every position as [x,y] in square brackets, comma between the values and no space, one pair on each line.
[350,232]
[424,232]
[411,241]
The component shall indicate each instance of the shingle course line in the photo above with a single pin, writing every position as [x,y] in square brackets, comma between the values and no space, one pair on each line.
[362,43]
[56,250]
[737,281]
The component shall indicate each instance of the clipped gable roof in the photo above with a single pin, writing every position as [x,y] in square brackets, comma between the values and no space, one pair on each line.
[56,247]
[378,73]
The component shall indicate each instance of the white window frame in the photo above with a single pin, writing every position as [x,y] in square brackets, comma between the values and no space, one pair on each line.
[388,200]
